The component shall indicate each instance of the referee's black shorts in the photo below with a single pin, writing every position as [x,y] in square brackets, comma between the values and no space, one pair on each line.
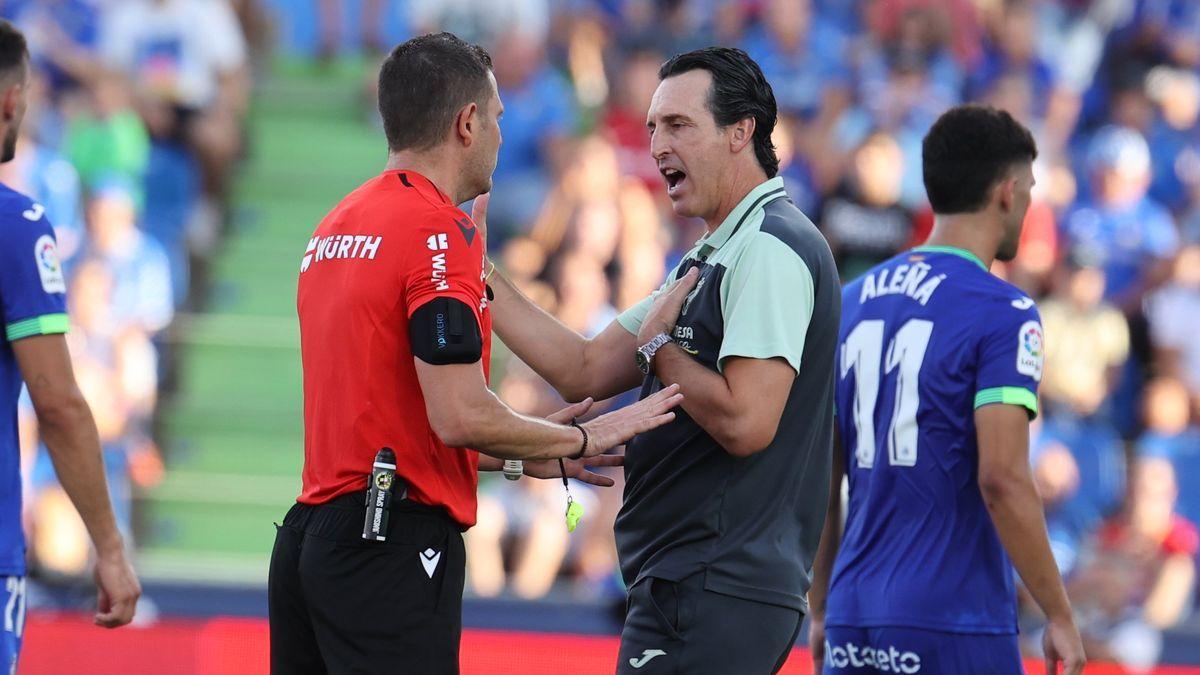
[342,604]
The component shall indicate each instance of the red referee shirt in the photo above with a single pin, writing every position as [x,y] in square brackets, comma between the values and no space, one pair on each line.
[389,247]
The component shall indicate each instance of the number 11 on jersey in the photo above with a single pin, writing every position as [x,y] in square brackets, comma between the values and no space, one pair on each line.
[862,353]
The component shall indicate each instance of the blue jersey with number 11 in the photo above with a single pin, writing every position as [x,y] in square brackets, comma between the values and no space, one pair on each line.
[926,338]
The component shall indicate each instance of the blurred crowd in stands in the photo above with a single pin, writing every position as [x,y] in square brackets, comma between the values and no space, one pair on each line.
[136,123]
[136,110]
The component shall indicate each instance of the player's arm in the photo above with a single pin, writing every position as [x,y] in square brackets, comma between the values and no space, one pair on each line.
[1012,500]
[831,541]
[1011,355]
[66,427]
[33,307]
[767,306]
[576,366]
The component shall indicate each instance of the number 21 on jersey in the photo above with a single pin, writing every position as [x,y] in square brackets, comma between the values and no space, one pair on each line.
[862,353]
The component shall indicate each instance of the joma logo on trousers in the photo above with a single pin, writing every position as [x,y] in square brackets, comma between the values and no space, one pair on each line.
[647,656]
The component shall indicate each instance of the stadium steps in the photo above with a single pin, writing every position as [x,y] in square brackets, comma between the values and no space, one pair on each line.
[232,434]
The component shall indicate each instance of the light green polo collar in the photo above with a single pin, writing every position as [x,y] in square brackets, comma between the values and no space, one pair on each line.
[769,189]
[952,250]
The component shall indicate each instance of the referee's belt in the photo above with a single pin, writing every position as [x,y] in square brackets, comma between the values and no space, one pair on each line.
[401,504]
[358,498]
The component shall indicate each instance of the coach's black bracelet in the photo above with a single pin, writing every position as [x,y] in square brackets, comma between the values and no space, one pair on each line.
[575,423]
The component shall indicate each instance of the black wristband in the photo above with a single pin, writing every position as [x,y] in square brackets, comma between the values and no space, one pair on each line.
[582,450]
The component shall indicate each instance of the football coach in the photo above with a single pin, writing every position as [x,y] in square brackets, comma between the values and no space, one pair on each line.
[395,335]
[723,506]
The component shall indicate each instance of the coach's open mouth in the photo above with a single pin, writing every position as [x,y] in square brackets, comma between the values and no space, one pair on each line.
[675,178]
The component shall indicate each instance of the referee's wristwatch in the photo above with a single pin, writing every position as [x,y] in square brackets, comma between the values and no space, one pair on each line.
[644,357]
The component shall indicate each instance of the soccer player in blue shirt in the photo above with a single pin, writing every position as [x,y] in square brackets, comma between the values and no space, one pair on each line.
[32,347]
[936,382]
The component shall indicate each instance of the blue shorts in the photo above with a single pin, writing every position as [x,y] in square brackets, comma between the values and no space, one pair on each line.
[12,603]
[867,651]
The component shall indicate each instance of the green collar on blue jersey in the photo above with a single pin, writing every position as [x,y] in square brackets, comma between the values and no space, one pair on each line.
[952,250]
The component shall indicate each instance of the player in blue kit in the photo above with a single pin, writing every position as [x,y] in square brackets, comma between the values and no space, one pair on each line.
[32,348]
[937,375]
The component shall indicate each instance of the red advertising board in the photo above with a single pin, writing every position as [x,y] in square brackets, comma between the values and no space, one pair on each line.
[228,646]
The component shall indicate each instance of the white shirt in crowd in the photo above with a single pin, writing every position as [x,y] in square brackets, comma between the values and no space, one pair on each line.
[1174,315]
[176,49]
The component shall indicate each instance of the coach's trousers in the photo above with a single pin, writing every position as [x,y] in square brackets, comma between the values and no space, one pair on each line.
[678,627]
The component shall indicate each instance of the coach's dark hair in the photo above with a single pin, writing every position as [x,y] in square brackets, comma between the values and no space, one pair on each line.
[968,150]
[424,82]
[13,49]
[738,91]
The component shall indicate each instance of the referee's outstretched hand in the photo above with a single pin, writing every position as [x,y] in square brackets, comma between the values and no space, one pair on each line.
[575,468]
[608,431]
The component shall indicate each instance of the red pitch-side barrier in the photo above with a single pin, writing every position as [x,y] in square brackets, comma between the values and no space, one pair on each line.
[65,645]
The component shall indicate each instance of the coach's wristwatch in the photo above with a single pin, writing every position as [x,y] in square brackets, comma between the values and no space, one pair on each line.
[645,354]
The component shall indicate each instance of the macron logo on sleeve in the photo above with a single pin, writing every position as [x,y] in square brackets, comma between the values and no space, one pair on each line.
[468,233]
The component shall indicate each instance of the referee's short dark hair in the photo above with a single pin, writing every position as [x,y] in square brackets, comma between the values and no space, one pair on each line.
[14,52]
[967,151]
[424,82]
[739,90]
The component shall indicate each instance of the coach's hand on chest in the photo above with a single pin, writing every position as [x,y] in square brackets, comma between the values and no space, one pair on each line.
[664,314]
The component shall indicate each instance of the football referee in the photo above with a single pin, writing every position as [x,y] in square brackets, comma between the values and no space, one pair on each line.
[723,506]
[395,336]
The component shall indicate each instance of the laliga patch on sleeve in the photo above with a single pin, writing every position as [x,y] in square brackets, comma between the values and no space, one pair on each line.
[1031,350]
[45,254]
